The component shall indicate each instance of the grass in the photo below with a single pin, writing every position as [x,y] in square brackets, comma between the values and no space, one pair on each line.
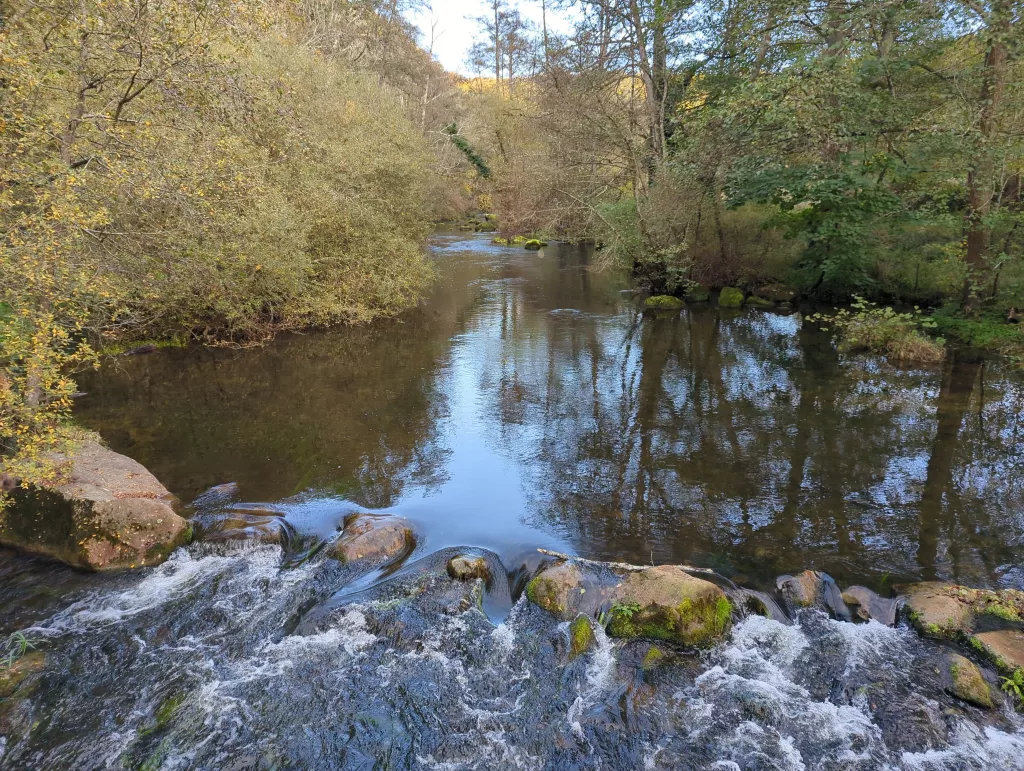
[989,331]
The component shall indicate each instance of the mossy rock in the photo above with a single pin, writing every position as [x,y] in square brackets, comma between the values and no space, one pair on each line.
[534,244]
[373,539]
[666,603]
[500,241]
[463,568]
[934,611]
[652,658]
[663,302]
[731,297]
[759,302]
[581,637]
[966,682]
[556,589]
[1004,648]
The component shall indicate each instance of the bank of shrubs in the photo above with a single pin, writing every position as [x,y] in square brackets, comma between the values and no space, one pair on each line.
[195,170]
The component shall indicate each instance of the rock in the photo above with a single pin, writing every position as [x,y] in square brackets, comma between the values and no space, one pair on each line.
[731,297]
[12,677]
[870,606]
[467,568]
[759,302]
[581,637]
[697,294]
[242,526]
[967,683]
[663,302]
[373,538]
[775,293]
[557,589]
[534,244]
[1004,647]
[109,513]
[813,589]
[652,658]
[666,603]
[934,612]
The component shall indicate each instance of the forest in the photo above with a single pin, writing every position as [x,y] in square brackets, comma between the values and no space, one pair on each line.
[217,172]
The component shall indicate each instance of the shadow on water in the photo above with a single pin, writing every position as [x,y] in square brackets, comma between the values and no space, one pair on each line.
[528,403]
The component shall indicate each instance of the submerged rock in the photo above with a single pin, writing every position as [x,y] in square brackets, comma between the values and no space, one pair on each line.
[373,538]
[663,603]
[465,568]
[534,244]
[759,302]
[731,297]
[967,682]
[869,606]
[109,513]
[663,302]
[12,677]
[934,611]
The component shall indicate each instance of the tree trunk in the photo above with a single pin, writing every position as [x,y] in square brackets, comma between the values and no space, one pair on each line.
[981,173]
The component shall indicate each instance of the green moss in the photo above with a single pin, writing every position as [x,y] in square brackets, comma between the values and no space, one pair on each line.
[663,302]
[1004,612]
[123,346]
[697,294]
[652,658]
[694,624]
[541,592]
[534,244]
[581,637]
[500,241]
[988,331]
[731,297]
[759,302]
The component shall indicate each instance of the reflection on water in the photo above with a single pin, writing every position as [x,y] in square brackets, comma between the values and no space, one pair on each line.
[530,403]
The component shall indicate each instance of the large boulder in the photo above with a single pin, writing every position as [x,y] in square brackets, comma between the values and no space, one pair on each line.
[663,302]
[108,513]
[1005,647]
[775,293]
[813,589]
[664,602]
[870,607]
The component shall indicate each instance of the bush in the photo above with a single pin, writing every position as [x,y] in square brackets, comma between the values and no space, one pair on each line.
[899,336]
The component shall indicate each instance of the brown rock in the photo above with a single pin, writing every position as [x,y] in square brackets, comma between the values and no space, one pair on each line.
[464,568]
[934,612]
[803,590]
[776,293]
[11,677]
[109,513]
[558,589]
[373,538]
[1005,647]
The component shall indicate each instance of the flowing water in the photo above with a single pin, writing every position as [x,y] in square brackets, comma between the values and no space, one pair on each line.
[528,403]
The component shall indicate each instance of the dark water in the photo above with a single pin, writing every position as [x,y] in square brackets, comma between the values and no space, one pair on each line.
[528,404]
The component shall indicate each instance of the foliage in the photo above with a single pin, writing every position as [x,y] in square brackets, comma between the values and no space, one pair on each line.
[452,130]
[14,647]
[900,336]
[1014,685]
[215,171]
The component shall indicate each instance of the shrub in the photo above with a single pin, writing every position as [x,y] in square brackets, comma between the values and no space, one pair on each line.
[882,330]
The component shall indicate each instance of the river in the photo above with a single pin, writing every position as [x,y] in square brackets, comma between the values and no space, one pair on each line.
[529,402]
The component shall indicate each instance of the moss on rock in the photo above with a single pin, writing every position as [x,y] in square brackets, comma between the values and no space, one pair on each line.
[967,683]
[533,244]
[581,637]
[663,302]
[731,297]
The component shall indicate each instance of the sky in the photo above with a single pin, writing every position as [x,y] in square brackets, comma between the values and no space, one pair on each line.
[455,28]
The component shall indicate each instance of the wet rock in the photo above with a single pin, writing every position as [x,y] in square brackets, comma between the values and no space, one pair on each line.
[666,603]
[373,538]
[262,528]
[1005,647]
[109,513]
[759,302]
[465,568]
[934,611]
[731,297]
[12,677]
[534,244]
[869,606]
[581,637]
[967,683]
[813,589]
[775,293]
[663,302]
[652,658]
[557,589]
